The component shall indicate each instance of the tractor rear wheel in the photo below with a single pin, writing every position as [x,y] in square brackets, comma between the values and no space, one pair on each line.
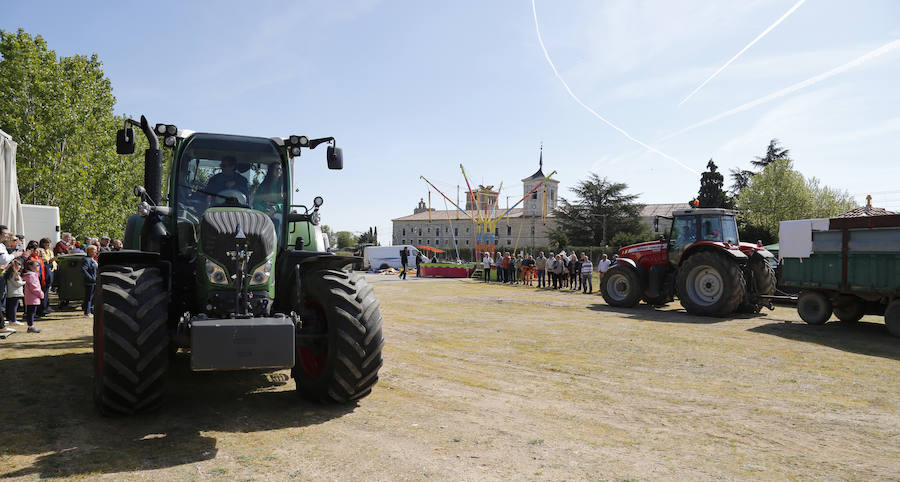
[814,307]
[131,339]
[849,309]
[621,286]
[339,309]
[710,284]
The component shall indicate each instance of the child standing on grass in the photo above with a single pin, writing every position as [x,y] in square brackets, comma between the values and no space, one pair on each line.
[12,278]
[33,293]
[89,273]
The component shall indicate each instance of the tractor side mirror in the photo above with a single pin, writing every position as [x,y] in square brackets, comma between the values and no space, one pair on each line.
[125,141]
[335,158]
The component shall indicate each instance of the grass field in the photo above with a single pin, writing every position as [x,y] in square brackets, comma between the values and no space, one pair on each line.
[490,382]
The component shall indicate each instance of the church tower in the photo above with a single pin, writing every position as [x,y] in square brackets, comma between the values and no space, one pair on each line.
[546,193]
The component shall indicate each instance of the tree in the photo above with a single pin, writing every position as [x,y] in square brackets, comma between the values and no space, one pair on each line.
[600,208]
[773,153]
[779,193]
[740,178]
[60,112]
[711,194]
[344,239]
[558,239]
[371,237]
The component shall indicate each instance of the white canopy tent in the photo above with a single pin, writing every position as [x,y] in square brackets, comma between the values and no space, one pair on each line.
[10,204]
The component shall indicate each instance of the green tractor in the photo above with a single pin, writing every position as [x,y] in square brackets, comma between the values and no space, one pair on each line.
[231,273]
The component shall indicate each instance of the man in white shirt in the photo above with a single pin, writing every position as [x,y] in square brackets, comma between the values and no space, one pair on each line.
[603,265]
[486,263]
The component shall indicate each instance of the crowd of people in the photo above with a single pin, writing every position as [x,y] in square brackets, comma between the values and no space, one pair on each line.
[27,274]
[558,271]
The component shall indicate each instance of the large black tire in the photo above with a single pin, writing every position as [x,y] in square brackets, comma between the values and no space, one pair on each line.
[131,339]
[762,282]
[814,307]
[710,284]
[621,286]
[892,317]
[341,307]
[849,309]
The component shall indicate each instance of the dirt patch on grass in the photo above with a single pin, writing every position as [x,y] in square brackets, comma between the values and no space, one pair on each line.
[490,382]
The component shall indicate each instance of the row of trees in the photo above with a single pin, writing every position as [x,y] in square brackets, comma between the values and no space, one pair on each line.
[603,213]
[59,110]
[346,239]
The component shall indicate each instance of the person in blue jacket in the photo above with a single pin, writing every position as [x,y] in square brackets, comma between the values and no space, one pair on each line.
[89,274]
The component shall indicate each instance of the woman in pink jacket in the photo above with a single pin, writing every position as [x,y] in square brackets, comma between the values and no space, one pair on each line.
[33,293]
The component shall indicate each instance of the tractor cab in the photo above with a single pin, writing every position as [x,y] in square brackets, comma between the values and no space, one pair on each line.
[707,226]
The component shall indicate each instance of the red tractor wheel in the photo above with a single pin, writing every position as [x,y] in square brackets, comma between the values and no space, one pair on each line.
[710,284]
[621,286]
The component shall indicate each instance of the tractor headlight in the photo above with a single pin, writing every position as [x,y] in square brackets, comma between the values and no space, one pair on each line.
[261,274]
[215,273]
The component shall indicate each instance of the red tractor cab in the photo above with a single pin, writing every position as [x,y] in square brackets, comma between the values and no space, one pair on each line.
[702,261]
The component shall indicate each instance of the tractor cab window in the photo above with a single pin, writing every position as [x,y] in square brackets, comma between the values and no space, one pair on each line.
[684,231]
[227,171]
[719,228]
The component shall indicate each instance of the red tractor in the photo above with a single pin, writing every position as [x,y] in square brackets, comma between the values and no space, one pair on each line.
[702,262]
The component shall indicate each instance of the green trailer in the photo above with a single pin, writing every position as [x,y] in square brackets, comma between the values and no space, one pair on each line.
[853,270]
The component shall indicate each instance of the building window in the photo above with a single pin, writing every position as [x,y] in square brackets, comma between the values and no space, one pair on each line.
[467,242]
[534,195]
[456,231]
[467,230]
[429,230]
[509,230]
[402,241]
[508,242]
[420,231]
[404,231]
[552,193]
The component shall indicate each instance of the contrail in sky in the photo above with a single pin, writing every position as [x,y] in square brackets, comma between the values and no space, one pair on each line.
[791,89]
[592,111]
[758,37]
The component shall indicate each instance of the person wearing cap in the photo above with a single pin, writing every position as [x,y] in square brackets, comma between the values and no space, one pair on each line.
[104,244]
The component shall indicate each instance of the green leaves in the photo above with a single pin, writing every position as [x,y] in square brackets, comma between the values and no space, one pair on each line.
[60,112]
[779,193]
[600,205]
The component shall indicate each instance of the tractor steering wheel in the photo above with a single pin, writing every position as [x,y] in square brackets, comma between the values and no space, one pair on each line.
[223,197]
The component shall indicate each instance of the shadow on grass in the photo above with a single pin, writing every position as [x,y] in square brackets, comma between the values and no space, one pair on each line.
[31,342]
[49,412]
[865,338]
[669,314]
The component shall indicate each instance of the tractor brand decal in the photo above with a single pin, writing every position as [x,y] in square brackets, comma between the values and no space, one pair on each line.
[651,247]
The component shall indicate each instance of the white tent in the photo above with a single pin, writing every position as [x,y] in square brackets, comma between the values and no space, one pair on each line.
[10,204]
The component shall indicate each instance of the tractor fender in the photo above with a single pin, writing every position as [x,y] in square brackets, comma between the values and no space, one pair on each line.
[292,264]
[736,254]
[641,272]
[765,253]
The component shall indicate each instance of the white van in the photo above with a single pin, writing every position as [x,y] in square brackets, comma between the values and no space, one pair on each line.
[41,222]
[382,257]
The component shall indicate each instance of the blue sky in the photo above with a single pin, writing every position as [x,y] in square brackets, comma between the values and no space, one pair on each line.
[416,88]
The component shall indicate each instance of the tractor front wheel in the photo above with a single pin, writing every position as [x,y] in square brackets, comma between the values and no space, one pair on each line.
[131,339]
[710,284]
[339,347]
[621,286]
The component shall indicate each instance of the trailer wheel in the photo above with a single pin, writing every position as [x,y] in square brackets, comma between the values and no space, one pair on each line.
[621,286]
[849,309]
[814,307]
[131,339]
[341,312]
[892,317]
[710,284]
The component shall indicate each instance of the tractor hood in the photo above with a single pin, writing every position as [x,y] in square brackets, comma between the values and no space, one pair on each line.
[219,226]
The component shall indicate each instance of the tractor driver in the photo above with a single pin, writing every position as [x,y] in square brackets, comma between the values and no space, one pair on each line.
[228,179]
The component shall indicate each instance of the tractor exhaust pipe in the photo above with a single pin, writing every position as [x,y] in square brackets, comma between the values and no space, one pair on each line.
[152,163]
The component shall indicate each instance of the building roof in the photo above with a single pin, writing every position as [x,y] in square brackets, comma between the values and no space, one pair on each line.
[651,210]
[864,212]
[454,215]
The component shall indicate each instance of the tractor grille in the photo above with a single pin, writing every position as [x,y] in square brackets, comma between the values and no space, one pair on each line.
[217,230]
